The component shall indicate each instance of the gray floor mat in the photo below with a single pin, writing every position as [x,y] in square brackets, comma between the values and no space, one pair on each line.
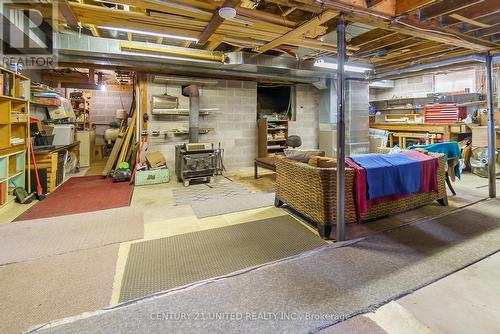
[203,192]
[162,264]
[215,207]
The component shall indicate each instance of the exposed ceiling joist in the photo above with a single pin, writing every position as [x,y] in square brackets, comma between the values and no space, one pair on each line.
[405,6]
[299,31]
[370,37]
[473,22]
[474,12]
[216,21]
[488,31]
[445,7]
[68,14]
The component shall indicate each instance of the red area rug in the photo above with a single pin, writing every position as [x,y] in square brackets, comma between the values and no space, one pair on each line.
[81,194]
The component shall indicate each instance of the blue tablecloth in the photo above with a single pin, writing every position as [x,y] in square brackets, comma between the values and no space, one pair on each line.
[389,174]
[450,149]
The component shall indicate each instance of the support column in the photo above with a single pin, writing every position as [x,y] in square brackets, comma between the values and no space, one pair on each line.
[340,219]
[491,129]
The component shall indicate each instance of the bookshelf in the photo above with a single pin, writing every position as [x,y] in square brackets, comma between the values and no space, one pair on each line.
[14,132]
[272,135]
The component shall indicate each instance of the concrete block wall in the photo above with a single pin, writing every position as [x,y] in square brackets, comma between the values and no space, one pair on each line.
[103,106]
[417,86]
[235,122]
[306,123]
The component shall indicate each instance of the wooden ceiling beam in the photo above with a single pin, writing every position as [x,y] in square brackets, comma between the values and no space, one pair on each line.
[415,54]
[382,43]
[405,6]
[408,26]
[445,7]
[464,19]
[94,30]
[475,12]
[265,17]
[407,51]
[424,60]
[216,21]
[370,36]
[299,31]
[212,44]
[488,31]
[68,14]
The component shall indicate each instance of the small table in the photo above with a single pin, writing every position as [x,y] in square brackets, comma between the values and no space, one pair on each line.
[266,163]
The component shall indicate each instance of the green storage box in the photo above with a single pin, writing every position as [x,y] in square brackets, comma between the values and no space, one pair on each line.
[155,176]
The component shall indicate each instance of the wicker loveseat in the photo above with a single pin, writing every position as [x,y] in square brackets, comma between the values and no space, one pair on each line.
[312,192]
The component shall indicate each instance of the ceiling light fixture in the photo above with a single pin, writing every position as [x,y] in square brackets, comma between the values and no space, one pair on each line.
[350,67]
[229,13]
[150,33]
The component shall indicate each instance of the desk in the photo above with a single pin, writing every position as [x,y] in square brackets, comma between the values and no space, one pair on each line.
[53,161]
[446,130]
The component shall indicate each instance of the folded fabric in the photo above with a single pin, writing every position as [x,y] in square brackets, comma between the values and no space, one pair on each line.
[389,174]
[359,188]
[450,149]
[428,170]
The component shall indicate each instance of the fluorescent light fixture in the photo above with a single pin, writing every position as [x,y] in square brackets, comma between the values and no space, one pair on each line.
[350,67]
[150,33]
[152,55]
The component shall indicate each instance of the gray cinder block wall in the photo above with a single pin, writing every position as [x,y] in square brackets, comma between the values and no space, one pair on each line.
[235,122]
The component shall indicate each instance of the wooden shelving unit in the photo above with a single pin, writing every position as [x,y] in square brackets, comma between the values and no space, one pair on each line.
[81,107]
[14,132]
[272,137]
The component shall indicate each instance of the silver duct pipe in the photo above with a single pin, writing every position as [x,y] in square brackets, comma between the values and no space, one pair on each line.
[194,111]
[431,65]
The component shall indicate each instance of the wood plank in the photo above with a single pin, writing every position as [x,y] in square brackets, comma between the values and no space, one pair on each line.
[216,21]
[431,58]
[415,54]
[488,31]
[382,43]
[445,7]
[300,30]
[369,37]
[405,6]
[469,21]
[475,12]
[94,31]
[110,163]
[68,14]
[212,44]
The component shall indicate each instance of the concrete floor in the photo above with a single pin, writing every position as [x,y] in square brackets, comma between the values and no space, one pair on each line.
[464,302]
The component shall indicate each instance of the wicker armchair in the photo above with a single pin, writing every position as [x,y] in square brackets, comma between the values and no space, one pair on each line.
[312,192]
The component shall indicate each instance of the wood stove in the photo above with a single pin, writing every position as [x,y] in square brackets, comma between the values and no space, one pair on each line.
[194,160]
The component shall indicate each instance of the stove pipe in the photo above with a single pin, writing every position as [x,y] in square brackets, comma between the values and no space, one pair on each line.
[194,111]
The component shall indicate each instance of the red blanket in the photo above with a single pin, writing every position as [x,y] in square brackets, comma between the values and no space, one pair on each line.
[428,182]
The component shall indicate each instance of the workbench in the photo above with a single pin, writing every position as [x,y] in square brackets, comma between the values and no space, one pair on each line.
[53,160]
[449,132]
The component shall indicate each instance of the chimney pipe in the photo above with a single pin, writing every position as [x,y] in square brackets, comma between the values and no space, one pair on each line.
[194,111]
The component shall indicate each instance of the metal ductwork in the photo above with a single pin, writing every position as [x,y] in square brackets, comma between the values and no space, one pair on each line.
[432,66]
[193,92]
[84,49]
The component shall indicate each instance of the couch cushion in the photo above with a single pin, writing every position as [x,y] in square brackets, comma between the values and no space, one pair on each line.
[302,154]
[322,162]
